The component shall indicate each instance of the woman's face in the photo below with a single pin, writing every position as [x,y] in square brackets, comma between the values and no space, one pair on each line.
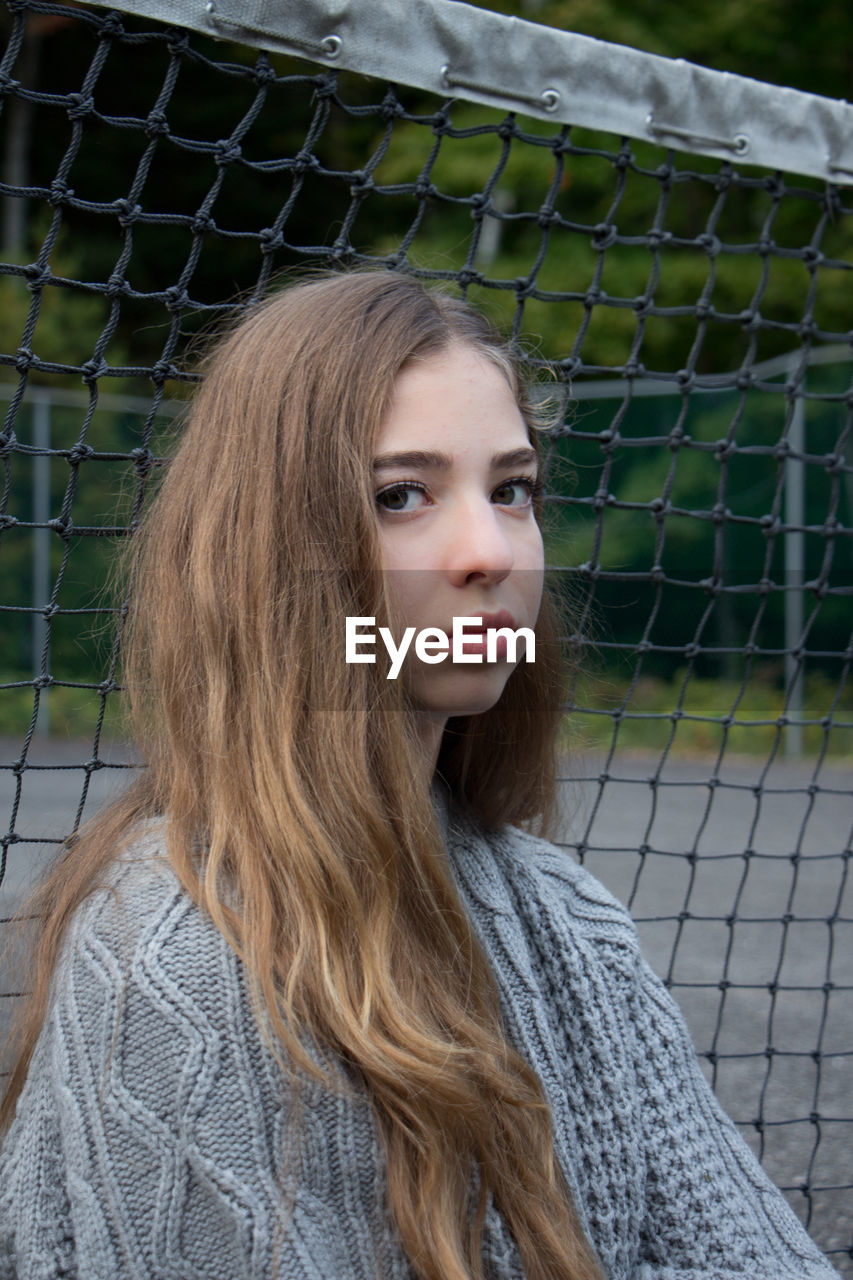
[454,476]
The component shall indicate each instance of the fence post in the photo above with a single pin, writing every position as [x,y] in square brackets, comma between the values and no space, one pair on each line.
[795,564]
[41,548]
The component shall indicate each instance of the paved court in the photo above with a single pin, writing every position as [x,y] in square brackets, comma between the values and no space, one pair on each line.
[798,866]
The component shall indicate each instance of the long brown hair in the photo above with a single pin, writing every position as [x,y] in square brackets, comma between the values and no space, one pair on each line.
[288,779]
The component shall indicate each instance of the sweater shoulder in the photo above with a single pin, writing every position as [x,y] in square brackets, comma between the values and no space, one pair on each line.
[140,875]
[141,927]
[512,872]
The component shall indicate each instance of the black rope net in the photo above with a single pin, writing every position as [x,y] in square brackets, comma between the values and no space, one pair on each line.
[691,318]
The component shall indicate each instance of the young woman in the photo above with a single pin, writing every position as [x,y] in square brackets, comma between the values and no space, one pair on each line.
[306,1004]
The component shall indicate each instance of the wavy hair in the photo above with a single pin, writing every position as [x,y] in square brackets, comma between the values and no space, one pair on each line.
[290,782]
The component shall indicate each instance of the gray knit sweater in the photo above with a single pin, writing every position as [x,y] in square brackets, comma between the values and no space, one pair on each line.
[154,1126]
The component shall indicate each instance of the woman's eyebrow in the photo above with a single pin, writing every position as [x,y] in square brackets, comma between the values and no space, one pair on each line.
[427,460]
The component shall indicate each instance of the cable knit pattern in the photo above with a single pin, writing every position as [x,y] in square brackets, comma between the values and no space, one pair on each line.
[157,1137]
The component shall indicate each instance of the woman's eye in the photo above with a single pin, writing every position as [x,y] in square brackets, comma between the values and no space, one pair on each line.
[401,497]
[516,493]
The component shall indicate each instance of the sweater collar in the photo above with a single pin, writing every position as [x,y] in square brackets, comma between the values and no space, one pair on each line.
[440,795]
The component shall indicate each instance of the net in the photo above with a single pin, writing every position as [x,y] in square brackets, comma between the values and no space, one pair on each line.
[690,316]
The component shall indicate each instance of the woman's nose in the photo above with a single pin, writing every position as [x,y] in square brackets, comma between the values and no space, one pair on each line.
[477,545]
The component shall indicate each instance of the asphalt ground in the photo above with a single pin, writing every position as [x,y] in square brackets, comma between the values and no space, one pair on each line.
[766,903]
[743,901]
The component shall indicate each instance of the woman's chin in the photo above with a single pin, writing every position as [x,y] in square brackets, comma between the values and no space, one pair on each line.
[461,693]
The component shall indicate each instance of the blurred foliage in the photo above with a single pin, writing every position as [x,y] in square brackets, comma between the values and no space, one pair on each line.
[330,166]
[98,494]
[661,519]
[66,322]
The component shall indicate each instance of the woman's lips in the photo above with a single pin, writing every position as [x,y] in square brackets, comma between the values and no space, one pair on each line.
[478,644]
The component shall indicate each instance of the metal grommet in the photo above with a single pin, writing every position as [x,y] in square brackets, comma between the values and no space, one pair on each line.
[740,144]
[550,99]
[222,25]
[331,46]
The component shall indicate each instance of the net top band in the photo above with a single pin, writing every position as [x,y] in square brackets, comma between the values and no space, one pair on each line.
[456,49]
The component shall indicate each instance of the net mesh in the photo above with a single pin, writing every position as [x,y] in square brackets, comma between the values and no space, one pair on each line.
[692,319]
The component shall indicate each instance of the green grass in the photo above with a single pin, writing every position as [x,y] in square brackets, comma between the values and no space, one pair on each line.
[645,718]
[71,712]
[654,713]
